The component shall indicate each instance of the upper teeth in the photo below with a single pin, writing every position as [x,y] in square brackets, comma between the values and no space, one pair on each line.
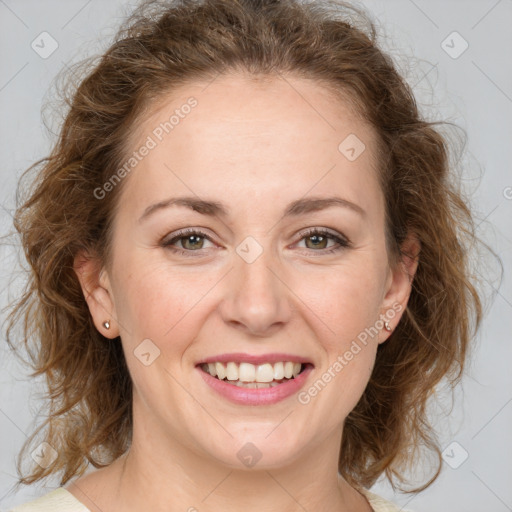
[247,372]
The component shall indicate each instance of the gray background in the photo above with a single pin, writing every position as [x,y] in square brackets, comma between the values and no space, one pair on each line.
[473,90]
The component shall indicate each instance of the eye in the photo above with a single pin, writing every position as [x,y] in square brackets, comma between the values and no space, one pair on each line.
[318,239]
[190,240]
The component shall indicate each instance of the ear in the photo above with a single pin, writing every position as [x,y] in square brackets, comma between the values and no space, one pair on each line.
[95,284]
[399,284]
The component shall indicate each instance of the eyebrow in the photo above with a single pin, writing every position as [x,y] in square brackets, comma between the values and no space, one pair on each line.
[216,209]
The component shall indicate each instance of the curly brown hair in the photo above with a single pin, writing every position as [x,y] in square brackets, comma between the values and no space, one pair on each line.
[164,45]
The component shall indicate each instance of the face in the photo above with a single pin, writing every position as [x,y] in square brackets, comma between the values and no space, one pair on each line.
[262,277]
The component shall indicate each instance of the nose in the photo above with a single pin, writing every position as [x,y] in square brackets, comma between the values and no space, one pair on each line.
[257,299]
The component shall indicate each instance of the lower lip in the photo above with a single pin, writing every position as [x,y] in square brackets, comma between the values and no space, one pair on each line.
[254,396]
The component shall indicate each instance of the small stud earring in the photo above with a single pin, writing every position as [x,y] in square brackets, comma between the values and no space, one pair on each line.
[387,326]
[106,324]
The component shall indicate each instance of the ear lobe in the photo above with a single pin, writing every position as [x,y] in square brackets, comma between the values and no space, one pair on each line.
[399,283]
[95,285]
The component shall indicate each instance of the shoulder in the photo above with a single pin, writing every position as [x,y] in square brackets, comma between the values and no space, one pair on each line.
[380,504]
[58,500]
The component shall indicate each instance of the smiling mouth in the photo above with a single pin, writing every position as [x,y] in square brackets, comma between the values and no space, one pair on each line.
[247,375]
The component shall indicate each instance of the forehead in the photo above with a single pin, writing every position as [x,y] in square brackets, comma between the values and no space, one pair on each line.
[238,137]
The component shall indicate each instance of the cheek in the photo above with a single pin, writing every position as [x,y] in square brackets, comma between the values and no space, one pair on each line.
[345,309]
[157,300]
[346,302]
[339,383]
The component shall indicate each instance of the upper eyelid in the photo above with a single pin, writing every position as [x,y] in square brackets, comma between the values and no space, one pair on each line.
[328,231]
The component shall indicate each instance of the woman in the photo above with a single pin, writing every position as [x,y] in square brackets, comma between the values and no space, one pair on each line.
[249,268]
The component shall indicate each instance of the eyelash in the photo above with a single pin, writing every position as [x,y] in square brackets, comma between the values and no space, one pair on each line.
[342,242]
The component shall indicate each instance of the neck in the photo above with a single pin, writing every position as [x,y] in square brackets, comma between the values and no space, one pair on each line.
[162,475]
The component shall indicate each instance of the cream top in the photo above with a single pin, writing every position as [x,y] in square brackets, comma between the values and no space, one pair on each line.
[61,500]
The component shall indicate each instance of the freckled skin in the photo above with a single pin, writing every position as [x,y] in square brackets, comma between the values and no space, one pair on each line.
[254,148]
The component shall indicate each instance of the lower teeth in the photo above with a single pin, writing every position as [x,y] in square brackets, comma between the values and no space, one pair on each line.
[255,385]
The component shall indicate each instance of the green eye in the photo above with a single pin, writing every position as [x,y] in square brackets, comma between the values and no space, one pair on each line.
[192,240]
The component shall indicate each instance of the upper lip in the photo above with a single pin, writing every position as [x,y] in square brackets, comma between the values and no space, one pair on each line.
[240,357]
